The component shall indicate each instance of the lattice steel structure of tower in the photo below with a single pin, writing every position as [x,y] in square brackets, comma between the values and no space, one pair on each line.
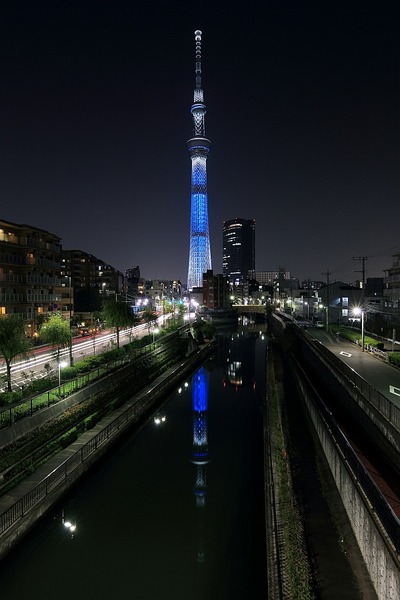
[199,147]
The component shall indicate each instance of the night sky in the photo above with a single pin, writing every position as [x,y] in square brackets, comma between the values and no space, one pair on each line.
[302,101]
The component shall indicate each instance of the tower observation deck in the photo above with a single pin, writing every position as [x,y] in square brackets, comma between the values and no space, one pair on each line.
[199,147]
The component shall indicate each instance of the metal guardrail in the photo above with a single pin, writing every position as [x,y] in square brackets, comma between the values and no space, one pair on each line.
[63,471]
[386,408]
[378,502]
[383,405]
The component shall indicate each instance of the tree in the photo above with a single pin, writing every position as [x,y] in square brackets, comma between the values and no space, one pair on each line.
[56,332]
[13,342]
[202,330]
[118,315]
[150,317]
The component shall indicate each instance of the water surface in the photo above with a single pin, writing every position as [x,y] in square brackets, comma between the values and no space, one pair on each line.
[176,512]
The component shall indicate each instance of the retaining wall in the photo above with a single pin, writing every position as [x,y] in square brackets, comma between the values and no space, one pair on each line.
[378,553]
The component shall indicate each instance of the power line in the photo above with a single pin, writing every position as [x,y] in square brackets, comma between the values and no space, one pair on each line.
[387,252]
[342,267]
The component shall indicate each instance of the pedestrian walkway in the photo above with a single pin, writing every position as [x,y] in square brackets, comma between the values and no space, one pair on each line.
[380,374]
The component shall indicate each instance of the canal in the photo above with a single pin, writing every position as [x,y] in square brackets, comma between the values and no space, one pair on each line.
[177,511]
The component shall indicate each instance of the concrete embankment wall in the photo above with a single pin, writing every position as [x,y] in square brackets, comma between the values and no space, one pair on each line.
[357,397]
[20,428]
[378,553]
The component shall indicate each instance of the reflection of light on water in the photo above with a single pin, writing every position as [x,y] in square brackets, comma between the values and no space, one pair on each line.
[234,375]
[185,385]
[158,419]
[200,456]
[69,526]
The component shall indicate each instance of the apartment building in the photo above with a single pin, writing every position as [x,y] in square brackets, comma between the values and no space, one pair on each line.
[30,283]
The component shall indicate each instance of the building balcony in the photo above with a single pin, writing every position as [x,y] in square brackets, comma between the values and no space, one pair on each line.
[13,259]
[48,264]
[12,297]
[40,298]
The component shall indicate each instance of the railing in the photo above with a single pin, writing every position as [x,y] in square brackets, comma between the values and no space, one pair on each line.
[26,408]
[61,473]
[378,502]
[12,297]
[6,258]
[387,409]
[44,280]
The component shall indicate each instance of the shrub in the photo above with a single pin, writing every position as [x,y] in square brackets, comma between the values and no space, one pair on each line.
[69,437]
[111,355]
[394,358]
[7,398]
[355,336]
[91,421]
[83,366]
[39,385]
[69,373]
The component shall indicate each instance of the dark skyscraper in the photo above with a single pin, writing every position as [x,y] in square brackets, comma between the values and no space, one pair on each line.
[199,147]
[238,258]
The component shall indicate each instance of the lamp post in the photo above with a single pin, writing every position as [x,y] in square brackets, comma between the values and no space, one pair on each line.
[360,311]
[195,305]
[71,354]
[61,365]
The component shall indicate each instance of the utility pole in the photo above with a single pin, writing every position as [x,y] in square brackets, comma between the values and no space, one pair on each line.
[362,259]
[327,298]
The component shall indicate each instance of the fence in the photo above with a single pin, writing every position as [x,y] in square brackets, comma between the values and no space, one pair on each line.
[386,408]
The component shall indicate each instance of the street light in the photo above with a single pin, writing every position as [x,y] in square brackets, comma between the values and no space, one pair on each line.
[61,365]
[195,305]
[360,311]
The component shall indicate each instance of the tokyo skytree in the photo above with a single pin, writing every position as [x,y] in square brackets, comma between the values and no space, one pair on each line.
[199,147]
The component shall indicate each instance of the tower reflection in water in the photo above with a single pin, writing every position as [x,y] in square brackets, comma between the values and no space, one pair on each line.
[200,457]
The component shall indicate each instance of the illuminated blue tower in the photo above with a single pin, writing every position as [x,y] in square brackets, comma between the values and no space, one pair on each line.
[199,147]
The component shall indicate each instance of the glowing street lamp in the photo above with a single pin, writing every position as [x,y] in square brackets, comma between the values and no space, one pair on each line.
[360,311]
[195,305]
[61,365]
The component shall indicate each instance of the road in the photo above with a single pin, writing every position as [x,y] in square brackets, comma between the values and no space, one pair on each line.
[381,375]
[33,367]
